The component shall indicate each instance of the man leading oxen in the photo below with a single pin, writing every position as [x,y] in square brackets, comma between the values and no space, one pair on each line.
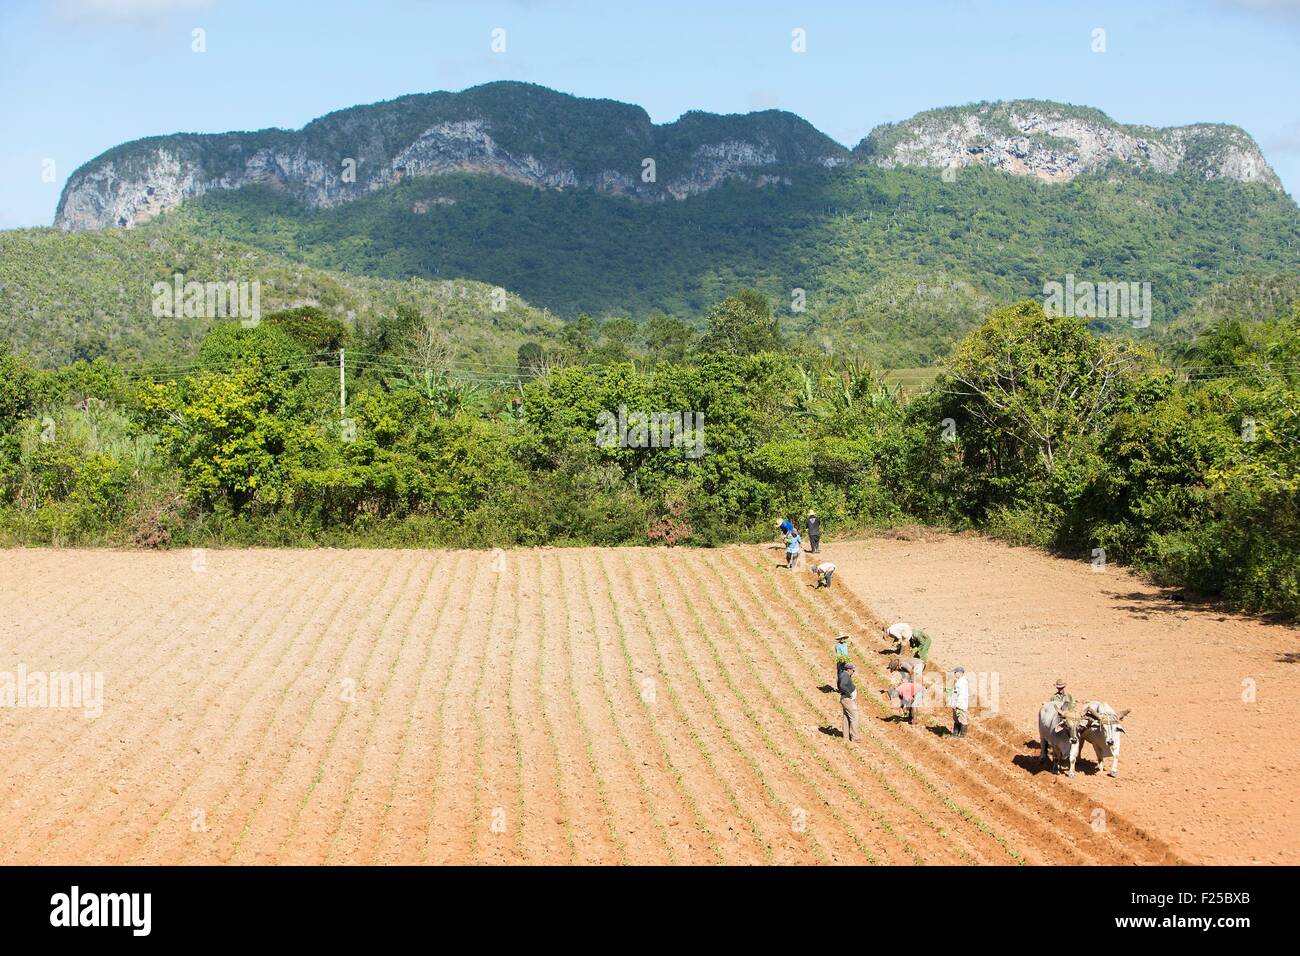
[1103,729]
[1060,731]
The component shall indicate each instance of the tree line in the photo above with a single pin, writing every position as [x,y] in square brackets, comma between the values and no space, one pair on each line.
[1036,431]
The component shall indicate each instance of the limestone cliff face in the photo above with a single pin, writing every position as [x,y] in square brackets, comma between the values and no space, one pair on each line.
[523,133]
[1055,142]
[130,190]
[548,140]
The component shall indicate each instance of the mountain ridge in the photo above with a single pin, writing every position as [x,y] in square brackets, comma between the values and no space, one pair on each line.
[1058,141]
[522,132]
[539,137]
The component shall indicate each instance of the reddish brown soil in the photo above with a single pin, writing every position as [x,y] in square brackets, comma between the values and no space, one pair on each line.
[1211,769]
[568,706]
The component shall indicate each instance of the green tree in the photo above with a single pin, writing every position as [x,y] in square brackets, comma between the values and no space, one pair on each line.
[530,360]
[1221,345]
[17,388]
[234,435]
[312,328]
[615,339]
[742,324]
[579,337]
[1027,385]
[667,339]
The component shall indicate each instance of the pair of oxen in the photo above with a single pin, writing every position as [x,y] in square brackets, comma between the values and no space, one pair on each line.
[1062,732]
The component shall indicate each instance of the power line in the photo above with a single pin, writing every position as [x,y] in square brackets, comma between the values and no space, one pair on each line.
[296,365]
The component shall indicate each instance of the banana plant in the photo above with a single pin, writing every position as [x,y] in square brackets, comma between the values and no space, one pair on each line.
[806,392]
[448,396]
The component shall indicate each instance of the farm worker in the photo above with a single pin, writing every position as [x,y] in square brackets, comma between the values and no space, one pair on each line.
[916,642]
[814,526]
[849,701]
[1063,700]
[907,696]
[841,654]
[901,634]
[786,527]
[823,570]
[910,668]
[919,645]
[792,546]
[959,700]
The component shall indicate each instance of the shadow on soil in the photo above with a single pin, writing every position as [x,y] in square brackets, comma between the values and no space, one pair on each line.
[1033,765]
[897,719]
[940,731]
[1147,605]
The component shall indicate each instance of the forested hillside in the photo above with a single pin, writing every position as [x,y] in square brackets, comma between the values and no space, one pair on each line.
[65,297]
[858,240]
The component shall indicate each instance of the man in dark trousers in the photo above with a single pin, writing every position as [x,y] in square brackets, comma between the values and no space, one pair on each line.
[814,526]
[849,701]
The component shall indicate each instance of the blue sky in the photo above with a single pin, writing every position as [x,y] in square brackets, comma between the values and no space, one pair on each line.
[80,76]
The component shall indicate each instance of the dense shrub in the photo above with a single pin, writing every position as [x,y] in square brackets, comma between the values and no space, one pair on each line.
[1037,431]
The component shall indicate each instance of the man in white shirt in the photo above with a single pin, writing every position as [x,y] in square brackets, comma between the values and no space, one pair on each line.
[959,699]
[823,570]
[901,633]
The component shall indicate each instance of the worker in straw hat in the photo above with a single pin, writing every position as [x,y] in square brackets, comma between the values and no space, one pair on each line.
[793,549]
[814,526]
[1063,700]
[841,654]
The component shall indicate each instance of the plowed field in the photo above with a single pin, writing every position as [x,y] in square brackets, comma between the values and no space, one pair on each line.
[643,706]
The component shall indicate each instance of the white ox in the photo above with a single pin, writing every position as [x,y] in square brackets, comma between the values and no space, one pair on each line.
[1103,729]
[1059,734]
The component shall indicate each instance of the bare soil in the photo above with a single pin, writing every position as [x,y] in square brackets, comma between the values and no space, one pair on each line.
[1210,761]
[614,706]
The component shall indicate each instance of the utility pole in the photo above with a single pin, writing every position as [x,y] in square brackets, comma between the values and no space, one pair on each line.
[343,385]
